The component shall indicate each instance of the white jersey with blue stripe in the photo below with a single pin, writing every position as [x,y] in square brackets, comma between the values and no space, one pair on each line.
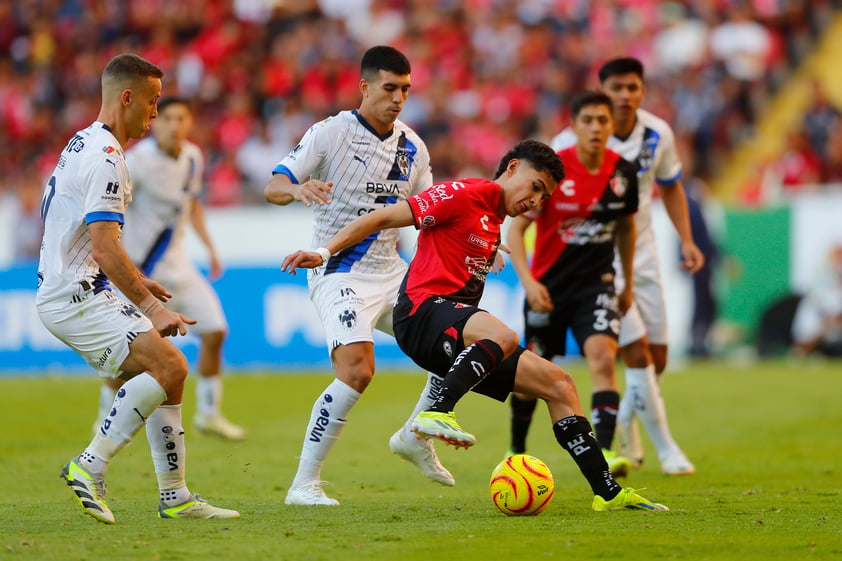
[164,190]
[89,184]
[651,147]
[369,171]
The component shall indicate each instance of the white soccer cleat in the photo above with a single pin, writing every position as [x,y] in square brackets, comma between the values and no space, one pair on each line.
[219,426]
[677,464]
[195,507]
[422,455]
[309,494]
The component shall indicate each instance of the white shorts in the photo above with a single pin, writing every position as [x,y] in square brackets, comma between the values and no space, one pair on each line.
[100,328]
[192,296]
[647,316]
[351,305]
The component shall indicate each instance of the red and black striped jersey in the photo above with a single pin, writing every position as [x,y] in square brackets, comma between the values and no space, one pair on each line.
[459,234]
[576,225]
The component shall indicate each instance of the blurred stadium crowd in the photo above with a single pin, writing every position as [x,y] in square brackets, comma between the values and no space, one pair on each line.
[485,72]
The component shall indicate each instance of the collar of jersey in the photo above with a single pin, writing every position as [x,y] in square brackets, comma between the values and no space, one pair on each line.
[364,123]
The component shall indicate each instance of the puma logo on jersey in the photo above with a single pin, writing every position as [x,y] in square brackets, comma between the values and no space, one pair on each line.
[358,159]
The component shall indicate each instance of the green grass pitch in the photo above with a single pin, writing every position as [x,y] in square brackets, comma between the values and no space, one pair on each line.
[766,440]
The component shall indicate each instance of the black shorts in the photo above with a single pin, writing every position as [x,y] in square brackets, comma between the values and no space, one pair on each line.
[432,337]
[589,310]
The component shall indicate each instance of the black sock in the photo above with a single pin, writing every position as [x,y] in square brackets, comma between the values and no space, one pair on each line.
[470,367]
[604,406]
[574,434]
[522,410]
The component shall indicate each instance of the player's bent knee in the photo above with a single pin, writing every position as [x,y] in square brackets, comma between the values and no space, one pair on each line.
[508,341]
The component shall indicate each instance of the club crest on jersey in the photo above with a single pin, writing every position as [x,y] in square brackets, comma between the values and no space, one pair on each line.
[402,161]
[428,222]
[618,184]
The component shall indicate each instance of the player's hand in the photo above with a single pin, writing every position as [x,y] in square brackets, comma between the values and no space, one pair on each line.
[301,259]
[624,300]
[499,260]
[170,324]
[692,258]
[157,290]
[313,191]
[538,297]
[215,267]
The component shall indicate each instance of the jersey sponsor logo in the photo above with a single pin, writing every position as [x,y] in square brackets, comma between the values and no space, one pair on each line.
[566,206]
[581,231]
[428,222]
[484,222]
[422,204]
[567,188]
[103,358]
[439,192]
[112,187]
[476,240]
[358,159]
[373,187]
[478,267]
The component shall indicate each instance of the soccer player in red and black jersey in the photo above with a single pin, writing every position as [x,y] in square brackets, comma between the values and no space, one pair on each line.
[438,324]
[571,281]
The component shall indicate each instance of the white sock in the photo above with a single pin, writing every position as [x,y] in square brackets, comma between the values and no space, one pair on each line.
[208,395]
[428,396]
[645,395]
[134,402]
[106,400]
[327,419]
[169,455]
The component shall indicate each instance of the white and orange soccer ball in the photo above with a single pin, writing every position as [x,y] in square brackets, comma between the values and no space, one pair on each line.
[521,485]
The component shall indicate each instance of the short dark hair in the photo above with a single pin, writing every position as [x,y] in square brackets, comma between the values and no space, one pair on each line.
[622,65]
[129,67]
[590,97]
[383,57]
[539,155]
[165,102]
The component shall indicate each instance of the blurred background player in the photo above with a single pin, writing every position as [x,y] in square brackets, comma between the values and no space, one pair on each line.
[647,141]
[166,171]
[437,321]
[571,280]
[349,165]
[817,325]
[81,255]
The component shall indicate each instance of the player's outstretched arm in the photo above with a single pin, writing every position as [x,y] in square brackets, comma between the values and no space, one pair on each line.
[536,293]
[281,191]
[675,202]
[392,216]
[109,254]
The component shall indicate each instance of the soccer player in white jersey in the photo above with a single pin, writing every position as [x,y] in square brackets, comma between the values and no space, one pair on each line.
[82,211]
[348,165]
[166,171]
[648,141]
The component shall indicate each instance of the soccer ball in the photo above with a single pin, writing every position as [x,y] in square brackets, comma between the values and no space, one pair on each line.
[521,485]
